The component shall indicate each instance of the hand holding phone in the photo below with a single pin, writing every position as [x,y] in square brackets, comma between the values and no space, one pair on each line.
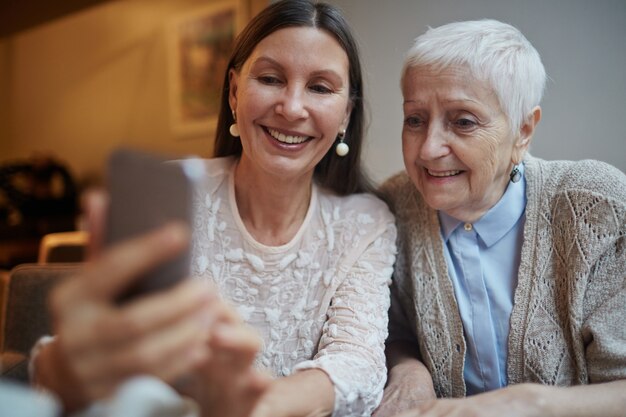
[147,192]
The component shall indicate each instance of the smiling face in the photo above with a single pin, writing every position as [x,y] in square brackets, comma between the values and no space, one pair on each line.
[457,144]
[291,98]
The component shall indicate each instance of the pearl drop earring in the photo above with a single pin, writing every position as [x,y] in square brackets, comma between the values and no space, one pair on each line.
[342,148]
[234,129]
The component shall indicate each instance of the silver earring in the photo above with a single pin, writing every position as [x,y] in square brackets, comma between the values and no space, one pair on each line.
[342,148]
[515,175]
[234,129]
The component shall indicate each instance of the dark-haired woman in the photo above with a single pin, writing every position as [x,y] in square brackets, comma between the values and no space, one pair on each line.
[286,227]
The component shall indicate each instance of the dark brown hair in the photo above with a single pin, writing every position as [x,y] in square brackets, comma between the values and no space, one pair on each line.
[344,175]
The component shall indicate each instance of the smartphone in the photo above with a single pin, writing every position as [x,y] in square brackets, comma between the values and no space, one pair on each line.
[146,192]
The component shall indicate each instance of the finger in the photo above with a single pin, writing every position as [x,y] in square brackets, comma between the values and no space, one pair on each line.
[236,337]
[96,327]
[183,365]
[96,203]
[102,371]
[171,353]
[237,393]
[130,260]
[234,346]
[226,313]
[258,381]
[166,354]
[123,264]
[189,300]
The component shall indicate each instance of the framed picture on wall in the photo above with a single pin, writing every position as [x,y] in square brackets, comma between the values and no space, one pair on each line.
[199,44]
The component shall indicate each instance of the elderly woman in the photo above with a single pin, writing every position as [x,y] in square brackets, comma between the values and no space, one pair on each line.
[510,278]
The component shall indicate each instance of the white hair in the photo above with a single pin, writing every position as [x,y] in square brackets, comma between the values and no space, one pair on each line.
[494,52]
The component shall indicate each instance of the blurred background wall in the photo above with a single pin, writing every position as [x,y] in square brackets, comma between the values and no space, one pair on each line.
[81,84]
[582,44]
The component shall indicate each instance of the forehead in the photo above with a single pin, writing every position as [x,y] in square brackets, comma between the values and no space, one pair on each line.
[454,83]
[302,47]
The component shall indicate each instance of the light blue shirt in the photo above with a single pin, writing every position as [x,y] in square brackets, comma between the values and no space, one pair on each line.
[483,260]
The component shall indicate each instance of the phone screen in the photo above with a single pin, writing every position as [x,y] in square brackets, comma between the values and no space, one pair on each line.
[145,193]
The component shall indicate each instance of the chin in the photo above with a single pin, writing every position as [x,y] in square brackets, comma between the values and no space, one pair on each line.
[435,204]
[441,203]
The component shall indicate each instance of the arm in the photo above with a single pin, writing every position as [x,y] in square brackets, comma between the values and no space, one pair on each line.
[306,393]
[526,400]
[99,344]
[227,385]
[409,383]
[351,349]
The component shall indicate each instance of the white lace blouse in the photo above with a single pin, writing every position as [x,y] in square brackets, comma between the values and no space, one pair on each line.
[319,301]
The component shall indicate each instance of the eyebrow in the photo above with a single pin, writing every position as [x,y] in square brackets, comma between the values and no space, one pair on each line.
[460,100]
[267,59]
[323,72]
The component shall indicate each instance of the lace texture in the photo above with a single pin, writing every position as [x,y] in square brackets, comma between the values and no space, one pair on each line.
[319,301]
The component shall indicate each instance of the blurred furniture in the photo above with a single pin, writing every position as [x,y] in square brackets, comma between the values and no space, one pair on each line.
[63,247]
[17,250]
[37,196]
[4,286]
[26,316]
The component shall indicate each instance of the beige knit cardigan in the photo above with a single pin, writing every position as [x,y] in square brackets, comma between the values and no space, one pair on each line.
[568,323]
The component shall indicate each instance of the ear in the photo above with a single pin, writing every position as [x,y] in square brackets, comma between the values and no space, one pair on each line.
[233,79]
[527,130]
[346,118]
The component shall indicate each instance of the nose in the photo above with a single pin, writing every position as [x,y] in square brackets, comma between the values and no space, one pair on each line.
[435,144]
[292,104]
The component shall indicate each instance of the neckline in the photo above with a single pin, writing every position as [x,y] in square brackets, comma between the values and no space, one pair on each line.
[242,227]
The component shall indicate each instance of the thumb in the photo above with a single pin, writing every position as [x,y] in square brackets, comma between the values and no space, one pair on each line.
[95,203]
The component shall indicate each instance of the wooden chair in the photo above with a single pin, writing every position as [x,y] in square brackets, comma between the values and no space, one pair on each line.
[63,247]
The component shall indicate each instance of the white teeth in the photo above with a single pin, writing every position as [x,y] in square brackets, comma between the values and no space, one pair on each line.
[285,138]
[442,173]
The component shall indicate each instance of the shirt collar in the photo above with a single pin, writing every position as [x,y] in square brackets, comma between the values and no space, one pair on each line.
[498,220]
[448,224]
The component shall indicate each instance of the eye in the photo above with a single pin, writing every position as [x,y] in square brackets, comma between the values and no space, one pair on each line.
[320,88]
[465,123]
[269,79]
[413,121]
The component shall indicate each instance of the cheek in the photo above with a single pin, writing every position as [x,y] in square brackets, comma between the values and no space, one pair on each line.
[329,120]
[489,162]
[486,157]
[332,112]
[410,150]
[254,99]
[409,146]
[408,156]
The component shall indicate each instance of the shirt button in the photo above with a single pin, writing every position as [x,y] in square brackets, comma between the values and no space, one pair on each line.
[468,227]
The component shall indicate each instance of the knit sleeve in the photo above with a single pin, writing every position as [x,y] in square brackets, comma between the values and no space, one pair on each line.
[395,191]
[351,349]
[399,330]
[600,202]
[604,331]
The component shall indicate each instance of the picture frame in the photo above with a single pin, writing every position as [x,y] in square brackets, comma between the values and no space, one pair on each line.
[199,45]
